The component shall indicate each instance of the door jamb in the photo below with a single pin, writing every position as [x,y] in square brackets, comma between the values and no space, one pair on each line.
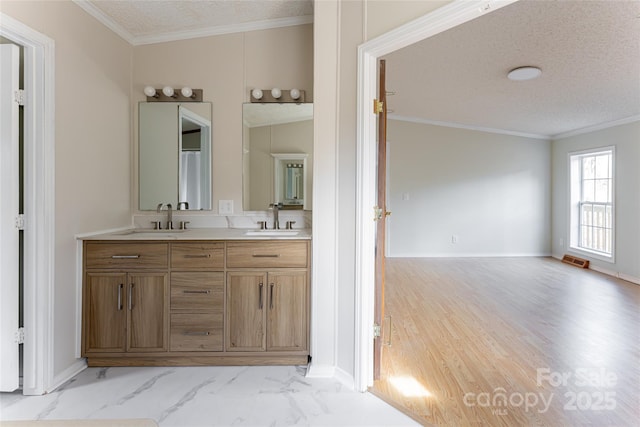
[442,19]
[39,202]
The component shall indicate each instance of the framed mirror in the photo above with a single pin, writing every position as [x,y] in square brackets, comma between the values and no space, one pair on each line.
[174,158]
[277,155]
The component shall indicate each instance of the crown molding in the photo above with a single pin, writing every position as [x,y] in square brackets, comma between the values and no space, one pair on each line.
[107,21]
[224,29]
[597,127]
[466,127]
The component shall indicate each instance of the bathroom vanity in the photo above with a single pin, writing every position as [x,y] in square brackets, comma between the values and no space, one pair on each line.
[196,297]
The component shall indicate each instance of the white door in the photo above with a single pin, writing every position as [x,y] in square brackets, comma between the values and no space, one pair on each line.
[9,193]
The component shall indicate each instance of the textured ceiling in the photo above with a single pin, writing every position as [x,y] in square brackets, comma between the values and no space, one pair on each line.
[149,21]
[589,53]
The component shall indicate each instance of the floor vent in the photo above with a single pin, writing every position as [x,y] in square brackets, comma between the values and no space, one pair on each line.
[574,260]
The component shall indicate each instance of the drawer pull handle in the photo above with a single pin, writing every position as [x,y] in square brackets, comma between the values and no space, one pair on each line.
[203,291]
[260,286]
[196,333]
[125,256]
[266,255]
[131,285]
[198,256]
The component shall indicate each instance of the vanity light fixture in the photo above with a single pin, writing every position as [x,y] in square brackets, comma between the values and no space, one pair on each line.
[256,93]
[150,91]
[524,73]
[276,95]
[169,94]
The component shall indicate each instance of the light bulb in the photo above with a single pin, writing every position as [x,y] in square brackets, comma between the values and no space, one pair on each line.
[276,93]
[168,91]
[295,93]
[150,91]
[187,92]
[257,94]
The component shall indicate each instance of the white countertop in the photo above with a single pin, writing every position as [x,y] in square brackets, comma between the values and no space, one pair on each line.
[203,234]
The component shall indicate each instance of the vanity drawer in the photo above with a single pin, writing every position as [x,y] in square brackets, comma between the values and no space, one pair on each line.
[197,255]
[197,291]
[271,254]
[126,255]
[196,332]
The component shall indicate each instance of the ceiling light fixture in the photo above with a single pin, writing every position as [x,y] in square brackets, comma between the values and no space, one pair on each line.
[524,73]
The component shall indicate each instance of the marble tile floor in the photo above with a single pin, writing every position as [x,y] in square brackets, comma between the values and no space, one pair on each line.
[206,396]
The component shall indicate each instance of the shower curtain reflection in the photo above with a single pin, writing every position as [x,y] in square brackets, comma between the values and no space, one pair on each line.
[190,189]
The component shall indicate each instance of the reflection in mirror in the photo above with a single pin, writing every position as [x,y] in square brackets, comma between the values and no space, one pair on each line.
[274,137]
[175,155]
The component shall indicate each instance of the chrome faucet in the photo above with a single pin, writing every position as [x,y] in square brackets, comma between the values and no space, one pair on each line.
[276,221]
[169,214]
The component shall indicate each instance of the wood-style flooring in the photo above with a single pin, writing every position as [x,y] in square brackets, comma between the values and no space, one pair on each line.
[511,342]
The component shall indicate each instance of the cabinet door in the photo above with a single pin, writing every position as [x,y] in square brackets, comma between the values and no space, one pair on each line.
[287,311]
[105,312]
[147,299]
[245,326]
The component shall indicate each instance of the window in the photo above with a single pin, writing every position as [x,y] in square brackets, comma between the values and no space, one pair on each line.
[591,227]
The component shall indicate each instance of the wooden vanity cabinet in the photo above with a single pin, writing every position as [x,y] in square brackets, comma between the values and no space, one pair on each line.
[163,303]
[267,297]
[197,297]
[125,307]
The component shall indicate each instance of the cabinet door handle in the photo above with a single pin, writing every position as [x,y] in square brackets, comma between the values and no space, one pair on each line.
[271,296]
[260,286]
[196,333]
[131,285]
[203,291]
[266,255]
[125,256]
[198,256]
[120,296]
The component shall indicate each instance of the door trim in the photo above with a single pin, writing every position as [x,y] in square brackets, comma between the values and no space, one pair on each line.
[39,202]
[442,19]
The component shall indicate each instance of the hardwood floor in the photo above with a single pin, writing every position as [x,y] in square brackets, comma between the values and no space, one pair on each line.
[511,342]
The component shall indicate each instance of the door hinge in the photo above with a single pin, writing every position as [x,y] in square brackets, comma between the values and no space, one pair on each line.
[377,330]
[19,336]
[19,97]
[378,106]
[20,222]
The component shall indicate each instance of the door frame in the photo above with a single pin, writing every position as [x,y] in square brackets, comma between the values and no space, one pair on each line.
[39,202]
[442,19]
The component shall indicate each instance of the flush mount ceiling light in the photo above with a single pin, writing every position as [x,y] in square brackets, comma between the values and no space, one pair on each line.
[524,73]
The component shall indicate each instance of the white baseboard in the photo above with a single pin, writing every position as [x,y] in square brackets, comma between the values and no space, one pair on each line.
[345,378]
[616,274]
[320,371]
[469,255]
[78,366]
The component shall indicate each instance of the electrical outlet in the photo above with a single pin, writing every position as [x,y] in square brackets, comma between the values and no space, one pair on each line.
[561,242]
[225,207]
[405,196]
[454,239]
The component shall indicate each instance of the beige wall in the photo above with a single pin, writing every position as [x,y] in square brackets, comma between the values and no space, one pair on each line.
[226,67]
[93,148]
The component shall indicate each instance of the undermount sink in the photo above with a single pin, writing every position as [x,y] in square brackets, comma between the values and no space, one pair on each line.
[265,233]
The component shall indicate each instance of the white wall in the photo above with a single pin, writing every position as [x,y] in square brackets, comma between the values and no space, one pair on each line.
[626,140]
[92,145]
[490,190]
